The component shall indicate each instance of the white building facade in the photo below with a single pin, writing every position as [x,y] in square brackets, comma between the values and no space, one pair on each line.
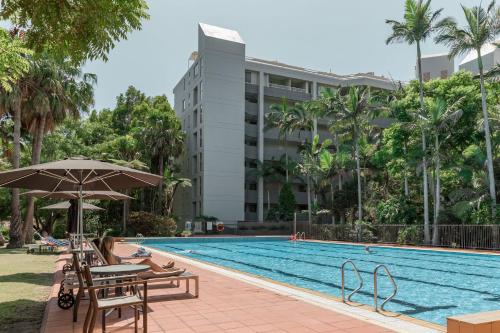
[222,101]
[490,55]
[436,66]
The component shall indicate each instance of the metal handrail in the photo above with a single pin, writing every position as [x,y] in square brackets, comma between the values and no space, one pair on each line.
[394,285]
[300,235]
[342,269]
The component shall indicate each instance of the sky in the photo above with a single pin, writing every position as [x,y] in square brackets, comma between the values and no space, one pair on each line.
[341,36]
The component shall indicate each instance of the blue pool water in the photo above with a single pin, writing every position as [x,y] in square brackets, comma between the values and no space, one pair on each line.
[432,285]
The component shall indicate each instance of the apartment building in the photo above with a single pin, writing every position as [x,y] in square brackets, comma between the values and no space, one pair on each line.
[222,101]
[436,66]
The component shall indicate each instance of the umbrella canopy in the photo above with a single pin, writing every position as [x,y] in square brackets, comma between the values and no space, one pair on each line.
[77,174]
[64,205]
[90,195]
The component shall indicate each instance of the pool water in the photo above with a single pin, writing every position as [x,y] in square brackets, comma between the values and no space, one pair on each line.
[432,285]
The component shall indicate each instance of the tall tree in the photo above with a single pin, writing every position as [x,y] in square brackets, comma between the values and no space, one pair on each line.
[79,30]
[353,110]
[13,61]
[438,122]
[55,90]
[482,26]
[418,24]
[279,117]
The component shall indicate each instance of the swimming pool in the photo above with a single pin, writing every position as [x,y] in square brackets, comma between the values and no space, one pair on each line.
[432,285]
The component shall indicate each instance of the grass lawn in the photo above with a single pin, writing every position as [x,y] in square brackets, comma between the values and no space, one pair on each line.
[25,283]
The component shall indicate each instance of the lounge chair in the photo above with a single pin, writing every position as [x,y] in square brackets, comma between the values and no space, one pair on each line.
[102,304]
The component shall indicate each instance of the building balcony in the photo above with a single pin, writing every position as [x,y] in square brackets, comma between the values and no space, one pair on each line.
[280,91]
[251,108]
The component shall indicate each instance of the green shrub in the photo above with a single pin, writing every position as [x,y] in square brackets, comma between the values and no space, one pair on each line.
[151,225]
[287,203]
[396,210]
[59,229]
[409,235]
[361,231]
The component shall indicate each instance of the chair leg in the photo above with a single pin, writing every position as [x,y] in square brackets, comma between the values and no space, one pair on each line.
[136,318]
[88,317]
[77,304]
[92,322]
[103,321]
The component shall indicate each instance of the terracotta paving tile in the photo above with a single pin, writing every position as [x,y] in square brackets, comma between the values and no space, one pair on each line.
[225,305]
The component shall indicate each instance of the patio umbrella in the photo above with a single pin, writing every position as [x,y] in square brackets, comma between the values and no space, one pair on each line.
[100,195]
[64,205]
[77,174]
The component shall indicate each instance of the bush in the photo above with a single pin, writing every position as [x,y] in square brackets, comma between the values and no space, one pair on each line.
[151,225]
[287,203]
[361,231]
[409,235]
[396,210]
[59,230]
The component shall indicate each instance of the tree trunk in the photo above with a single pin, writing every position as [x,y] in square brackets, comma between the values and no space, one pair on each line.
[407,192]
[72,217]
[161,169]
[437,198]
[16,223]
[286,159]
[424,149]
[358,171]
[35,159]
[489,154]
[309,213]
[337,150]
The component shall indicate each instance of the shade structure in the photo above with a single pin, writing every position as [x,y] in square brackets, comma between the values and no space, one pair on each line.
[90,195]
[64,205]
[77,174]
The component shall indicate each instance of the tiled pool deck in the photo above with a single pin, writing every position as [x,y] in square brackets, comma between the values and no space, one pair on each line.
[226,304]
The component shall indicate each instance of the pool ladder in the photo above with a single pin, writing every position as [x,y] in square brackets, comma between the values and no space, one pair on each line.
[375,291]
[394,287]
[300,236]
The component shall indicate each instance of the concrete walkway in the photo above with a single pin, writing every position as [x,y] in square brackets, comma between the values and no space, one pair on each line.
[225,305]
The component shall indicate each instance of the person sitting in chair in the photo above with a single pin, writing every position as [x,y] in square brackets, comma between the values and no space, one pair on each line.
[107,247]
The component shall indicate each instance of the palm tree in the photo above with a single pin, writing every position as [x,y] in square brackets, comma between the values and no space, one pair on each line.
[279,117]
[353,111]
[419,23]
[310,165]
[55,90]
[172,183]
[267,171]
[439,121]
[482,26]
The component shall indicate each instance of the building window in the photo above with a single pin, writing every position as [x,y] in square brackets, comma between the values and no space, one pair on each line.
[249,141]
[196,69]
[195,140]
[195,118]
[201,162]
[250,119]
[183,104]
[201,187]
[195,186]
[427,76]
[201,90]
[201,138]
[195,95]
[195,164]
[250,163]
[252,208]
[201,114]
[248,77]
[444,74]
[252,186]
[194,209]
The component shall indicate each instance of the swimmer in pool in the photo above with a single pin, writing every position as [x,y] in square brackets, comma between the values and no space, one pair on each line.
[368,250]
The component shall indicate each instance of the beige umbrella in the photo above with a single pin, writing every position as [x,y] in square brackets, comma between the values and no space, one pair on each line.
[90,195]
[77,174]
[65,205]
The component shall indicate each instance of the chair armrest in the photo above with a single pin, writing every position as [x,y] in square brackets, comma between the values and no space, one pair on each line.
[118,277]
[123,284]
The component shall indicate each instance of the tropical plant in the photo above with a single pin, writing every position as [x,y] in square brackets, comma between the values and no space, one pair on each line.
[79,30]
[172,183]
[13,61]
[482,26]
[418,25]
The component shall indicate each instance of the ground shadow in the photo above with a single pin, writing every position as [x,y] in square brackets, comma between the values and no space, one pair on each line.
[21,315]
[43,279]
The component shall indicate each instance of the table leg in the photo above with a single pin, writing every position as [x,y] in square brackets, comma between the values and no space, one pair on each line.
[196,287]
[187,286]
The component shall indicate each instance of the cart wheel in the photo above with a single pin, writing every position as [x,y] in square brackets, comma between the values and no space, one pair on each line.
[31,251]
[65,301]
[66,268]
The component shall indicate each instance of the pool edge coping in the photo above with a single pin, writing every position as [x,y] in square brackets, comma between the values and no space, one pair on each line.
[390,320]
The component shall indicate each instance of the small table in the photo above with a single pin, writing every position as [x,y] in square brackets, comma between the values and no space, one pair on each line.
[121,269]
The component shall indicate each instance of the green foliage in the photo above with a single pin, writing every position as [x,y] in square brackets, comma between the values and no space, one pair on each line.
[79,30]
[409,235]
[13,61]
[286,203]
[396,210]
[151,225]
[59,230]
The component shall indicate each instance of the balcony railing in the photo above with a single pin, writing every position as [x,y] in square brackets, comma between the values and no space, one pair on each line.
[281,86]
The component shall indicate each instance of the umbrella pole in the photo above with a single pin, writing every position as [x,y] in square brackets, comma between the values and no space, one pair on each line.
[80,218]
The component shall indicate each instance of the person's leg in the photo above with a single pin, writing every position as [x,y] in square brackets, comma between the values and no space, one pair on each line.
[154,266]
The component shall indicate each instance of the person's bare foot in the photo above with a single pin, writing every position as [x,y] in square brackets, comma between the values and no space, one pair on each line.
[169,265]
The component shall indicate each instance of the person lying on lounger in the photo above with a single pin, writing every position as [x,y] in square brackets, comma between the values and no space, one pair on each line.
[107,246]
